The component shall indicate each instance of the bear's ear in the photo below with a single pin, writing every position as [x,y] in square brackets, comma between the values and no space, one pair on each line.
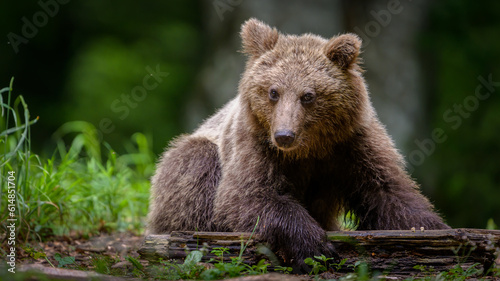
[343,49]
[258,37]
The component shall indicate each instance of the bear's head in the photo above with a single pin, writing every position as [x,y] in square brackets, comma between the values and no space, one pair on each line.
[304,93]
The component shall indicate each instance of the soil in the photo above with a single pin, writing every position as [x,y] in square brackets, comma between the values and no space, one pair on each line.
[109,249]
[116,246]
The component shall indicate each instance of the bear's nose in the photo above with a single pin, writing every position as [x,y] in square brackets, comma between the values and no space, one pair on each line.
[284,138]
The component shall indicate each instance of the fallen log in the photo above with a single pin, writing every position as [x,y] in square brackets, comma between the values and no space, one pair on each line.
[396,251]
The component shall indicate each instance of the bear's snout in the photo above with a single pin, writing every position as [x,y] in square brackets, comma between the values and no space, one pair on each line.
[284,138]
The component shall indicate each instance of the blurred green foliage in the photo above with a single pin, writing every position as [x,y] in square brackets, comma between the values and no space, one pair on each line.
[462,43]
[92,53]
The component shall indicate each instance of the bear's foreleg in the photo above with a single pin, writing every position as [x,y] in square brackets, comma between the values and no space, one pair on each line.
[378,189]
[396,206]
[184,185]
[252,191]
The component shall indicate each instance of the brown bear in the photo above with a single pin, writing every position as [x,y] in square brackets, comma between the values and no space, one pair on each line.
[299,144]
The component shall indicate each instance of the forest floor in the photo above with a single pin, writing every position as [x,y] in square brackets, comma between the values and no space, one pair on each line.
[110,257]
[104,254]
[101,257]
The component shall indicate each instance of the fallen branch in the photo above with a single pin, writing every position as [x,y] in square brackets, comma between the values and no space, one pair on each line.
[397,251]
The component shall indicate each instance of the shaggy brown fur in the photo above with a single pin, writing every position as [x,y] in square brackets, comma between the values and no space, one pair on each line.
[299,144]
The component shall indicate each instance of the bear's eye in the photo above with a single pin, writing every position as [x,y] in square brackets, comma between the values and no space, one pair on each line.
[273,95]
[307,98]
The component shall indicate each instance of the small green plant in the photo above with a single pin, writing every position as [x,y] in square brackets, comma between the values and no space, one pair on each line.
[317,267]
[36,254]
[494,271]
[491,224]
[321,264]
[338,266]
[236,267]
[102,263]
[424,269]
[219,252]
[283,269]
[138,269]
[455,273]
[64,261]
[458,273]
[348,221]
[362,272]
[260,268]
[190,269]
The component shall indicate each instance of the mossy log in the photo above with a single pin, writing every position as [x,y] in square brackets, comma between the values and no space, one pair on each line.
[396,251]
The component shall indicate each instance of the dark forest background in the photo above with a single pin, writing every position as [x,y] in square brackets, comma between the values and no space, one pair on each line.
[432,68]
